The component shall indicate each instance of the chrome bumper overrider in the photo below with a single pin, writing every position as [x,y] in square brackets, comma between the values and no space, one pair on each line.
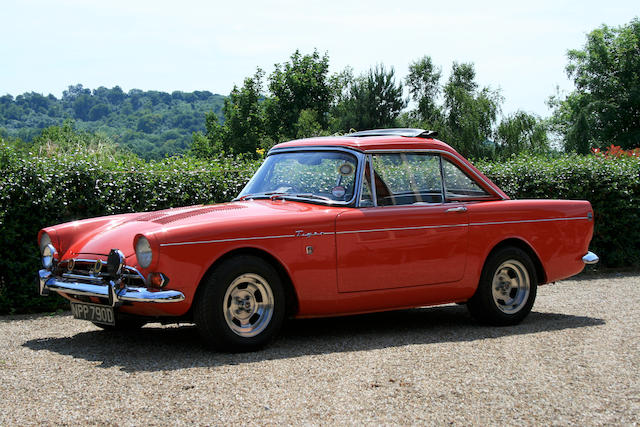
[590,258]
[47,282]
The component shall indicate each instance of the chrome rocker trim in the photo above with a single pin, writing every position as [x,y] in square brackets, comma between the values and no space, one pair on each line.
[590,258]
[47,282]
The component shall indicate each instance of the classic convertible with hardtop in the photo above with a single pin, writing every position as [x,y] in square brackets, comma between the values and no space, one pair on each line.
[370,221]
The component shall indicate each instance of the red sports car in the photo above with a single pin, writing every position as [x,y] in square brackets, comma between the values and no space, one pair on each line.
[371,221]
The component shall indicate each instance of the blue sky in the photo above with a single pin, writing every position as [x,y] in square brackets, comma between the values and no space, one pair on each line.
[518,47]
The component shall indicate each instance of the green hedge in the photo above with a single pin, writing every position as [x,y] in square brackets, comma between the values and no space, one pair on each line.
[611,185]
[40,190]
[37,191]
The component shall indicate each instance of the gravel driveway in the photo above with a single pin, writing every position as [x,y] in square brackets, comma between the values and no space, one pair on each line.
[575,360]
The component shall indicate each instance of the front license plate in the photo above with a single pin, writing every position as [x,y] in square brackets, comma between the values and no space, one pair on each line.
[93,312]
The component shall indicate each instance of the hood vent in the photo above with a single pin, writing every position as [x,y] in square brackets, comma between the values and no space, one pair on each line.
[188,214]
[151,216]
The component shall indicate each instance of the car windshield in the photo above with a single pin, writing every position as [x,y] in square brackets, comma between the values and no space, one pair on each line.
[313,175]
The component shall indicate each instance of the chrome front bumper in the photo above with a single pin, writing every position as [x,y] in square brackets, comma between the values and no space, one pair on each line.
[590,258]
[47,282]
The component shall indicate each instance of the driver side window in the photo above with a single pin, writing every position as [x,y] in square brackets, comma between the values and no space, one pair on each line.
[407,179]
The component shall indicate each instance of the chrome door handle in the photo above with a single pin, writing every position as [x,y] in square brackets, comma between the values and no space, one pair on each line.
[458,209]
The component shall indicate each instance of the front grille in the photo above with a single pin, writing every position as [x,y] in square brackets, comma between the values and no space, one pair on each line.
[94,271]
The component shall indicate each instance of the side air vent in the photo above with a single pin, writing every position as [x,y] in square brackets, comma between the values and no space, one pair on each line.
[407,132]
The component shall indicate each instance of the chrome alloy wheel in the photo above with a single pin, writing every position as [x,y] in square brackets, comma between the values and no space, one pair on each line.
[510,286]
[248,305]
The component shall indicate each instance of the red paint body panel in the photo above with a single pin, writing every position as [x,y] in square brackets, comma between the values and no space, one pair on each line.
[360,259]
[559,231]
[400,246]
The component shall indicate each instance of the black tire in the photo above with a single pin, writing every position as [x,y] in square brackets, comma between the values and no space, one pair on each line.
[123,323]
[507,288]
[241,306]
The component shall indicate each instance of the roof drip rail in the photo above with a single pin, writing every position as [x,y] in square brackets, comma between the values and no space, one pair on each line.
[407,132]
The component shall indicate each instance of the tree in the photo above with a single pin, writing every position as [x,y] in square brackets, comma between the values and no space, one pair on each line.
[470,113]
[373,100]
[110,111]
[82,105]
[74,91]
[149,123]
[521,132]
[423,82]
[98,111]
[243,130]
[308,124]
[340,84]
[297,85]
[116,95]
[604,108]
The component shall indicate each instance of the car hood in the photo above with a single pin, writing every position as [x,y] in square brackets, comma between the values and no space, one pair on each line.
[189,223]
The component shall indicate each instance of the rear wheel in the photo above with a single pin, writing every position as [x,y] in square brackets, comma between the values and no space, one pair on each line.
[507,288]
[241,306]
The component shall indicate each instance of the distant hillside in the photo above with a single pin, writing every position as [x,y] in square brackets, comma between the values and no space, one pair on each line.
[152,124]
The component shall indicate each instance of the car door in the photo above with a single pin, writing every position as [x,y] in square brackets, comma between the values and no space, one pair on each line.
[409,235]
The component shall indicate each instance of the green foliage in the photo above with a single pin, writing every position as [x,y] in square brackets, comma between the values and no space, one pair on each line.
[308,124]
[297,85]
[296,106]
[209,144]
[243,131]
[468,116]
[152,124]
[470,112]
[611,185]
[71,175]
[424,85]
[521,132]
[373,100]
[605,106]
[304,101]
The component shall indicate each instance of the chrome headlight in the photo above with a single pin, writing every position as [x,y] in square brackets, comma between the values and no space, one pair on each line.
[144,254]
[48,254]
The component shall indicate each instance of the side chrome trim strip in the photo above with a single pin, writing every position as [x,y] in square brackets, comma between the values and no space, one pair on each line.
[421,227]
[229,240]
[528,220]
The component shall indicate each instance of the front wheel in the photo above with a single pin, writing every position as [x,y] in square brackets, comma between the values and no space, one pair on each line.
[241,306]
[507,288]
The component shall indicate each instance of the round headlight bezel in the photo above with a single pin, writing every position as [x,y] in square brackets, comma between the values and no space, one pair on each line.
[144,252]
[48,255]
[45,240]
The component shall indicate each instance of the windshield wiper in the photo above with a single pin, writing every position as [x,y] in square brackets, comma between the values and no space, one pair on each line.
[267,195]
[312,196]
[280,195]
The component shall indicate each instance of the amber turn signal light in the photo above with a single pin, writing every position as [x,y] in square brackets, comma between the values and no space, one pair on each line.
[157,280]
